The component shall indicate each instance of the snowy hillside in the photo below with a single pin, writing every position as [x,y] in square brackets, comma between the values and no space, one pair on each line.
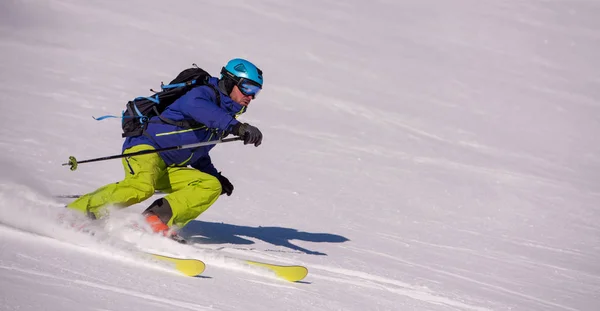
[417,155]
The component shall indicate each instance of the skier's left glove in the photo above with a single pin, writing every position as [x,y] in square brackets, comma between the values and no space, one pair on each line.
[226,186]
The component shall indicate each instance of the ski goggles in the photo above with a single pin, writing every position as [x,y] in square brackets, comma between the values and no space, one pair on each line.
[249,87]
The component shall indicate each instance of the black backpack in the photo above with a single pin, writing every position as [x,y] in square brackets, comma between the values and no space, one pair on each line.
[139,111]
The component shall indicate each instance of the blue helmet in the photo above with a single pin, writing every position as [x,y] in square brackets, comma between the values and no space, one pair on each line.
[244,74]
[238,69]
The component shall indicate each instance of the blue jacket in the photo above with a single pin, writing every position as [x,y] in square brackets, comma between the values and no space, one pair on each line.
[199,104]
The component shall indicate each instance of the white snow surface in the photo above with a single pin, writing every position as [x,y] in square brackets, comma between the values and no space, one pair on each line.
[417,154]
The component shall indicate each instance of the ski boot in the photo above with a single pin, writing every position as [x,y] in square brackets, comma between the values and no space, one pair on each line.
[160,227]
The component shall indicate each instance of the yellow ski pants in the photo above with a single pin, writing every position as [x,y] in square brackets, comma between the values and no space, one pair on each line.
[190,191]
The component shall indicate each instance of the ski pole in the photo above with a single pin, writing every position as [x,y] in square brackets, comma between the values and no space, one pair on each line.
[73,162]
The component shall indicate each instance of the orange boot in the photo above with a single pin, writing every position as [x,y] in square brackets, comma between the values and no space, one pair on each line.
[160,227]
[156,224]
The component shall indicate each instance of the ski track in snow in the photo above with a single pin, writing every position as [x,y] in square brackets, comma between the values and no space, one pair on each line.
[318,272]
[217,259]
[542,303]
[42,277]
[366,280]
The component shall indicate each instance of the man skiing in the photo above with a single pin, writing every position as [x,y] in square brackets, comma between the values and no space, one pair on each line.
[189,178]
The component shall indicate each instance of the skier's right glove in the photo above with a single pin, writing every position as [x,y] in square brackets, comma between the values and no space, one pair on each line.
[249,133]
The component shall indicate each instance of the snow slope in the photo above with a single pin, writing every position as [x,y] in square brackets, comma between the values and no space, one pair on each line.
[418,155]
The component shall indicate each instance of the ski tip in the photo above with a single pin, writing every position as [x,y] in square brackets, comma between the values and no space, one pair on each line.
[288,273]
[188,267]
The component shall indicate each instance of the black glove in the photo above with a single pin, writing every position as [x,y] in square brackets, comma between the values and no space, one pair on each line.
[249,133]
[226,185]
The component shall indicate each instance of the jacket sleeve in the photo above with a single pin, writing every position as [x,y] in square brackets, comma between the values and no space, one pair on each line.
[201,106]
[204,164]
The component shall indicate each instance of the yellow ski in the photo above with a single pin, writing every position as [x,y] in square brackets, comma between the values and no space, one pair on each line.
[289,273]
[189,267]
[195,267]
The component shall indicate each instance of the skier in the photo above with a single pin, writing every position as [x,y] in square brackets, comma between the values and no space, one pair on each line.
[188,176]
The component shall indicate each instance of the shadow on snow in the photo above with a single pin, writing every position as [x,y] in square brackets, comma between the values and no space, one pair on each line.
[203,232]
